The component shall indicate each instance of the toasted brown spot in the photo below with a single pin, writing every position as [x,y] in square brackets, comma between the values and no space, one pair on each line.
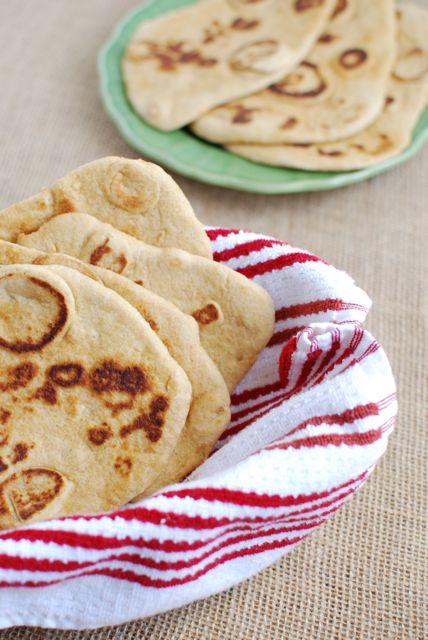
[31,491]
[384,143]
[99,435]
[151,422]
[123,466]
[3,465]
[23,346]
[47,393]
[4,416]
[140,282]
[304,5]
[389,100]
[64,206]
[19,376]
[290,85]
[326,38]
[242,114]
[168,56]
[289,123]
[99,251]
[303,145]
[334,152]
[112,377]
[240,24]
[353,58]
[207,314]
[66,375]
[122,261]
[117,407]
[20,452]
[340,6]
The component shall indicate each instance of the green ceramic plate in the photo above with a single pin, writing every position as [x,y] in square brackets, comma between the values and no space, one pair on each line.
[182,152]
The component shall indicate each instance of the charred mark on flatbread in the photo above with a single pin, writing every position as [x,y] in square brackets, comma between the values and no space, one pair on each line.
[334,153]
[207,314]
[169,56]
[290,85]
[19,376]
[4,416]
[240,24]
[304,5]
[289,123]
[353,58]
[150,422]
[47,393]
[99,435]
[3,465]
[326,38]
[340,6]
[123,466]
[67,374]
[20,452]
[99,252]
[30,491]
[24,346]
[111,376]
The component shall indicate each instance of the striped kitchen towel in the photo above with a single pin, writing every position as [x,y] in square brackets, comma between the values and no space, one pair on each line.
[309,423]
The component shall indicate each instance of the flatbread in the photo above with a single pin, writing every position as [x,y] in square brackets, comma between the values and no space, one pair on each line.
[180,65]
[235,315]
[390,134]
[335,92]
[135,196]
[209,409]
[88,418]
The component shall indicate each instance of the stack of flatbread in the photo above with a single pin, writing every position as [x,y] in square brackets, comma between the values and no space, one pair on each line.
[313,84]
[120,341]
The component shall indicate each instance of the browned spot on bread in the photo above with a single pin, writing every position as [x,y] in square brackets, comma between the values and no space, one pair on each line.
[304,5]
[99,435]
[47,393]
[23,346]
[110,376]
[326,38]
[117,407]
[3,465]
[389,100]
[240,24]
[340,6]
[4,415]
[66,375]
[140,282]
[168,56]
[290,85]
[289,123]
[123,466]
[30,491]
[304,145]
[213,31]
[151,422]
[99,251]
[19,376]
[207,314]
[64,206]
[20,452]
[352,58]
[334,152]
[384,143]
[242,114]
[122,262]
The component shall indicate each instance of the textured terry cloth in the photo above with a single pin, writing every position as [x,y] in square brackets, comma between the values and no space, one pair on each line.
[309,423]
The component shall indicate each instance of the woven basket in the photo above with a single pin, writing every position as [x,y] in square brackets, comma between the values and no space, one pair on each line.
[309,423]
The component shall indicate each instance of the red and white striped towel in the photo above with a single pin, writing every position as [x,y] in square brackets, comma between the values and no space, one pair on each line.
[309,423]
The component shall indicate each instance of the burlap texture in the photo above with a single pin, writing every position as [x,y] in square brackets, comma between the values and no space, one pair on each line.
[363,575]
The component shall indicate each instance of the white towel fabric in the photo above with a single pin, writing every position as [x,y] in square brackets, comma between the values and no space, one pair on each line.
[309,423]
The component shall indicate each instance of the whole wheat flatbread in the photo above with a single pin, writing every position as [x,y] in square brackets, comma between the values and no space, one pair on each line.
[209,408]
[336,91]
[188,61]
[391,133]
[88,419]
[235,315]
[135,196]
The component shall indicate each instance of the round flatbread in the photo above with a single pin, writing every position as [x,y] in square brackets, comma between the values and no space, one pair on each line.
[391,133]
[336,91]
[209,408]
[235,315]
[180,65]
[135,196]
[88,418]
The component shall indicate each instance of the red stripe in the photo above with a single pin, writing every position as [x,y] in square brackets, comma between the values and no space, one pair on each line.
[213,234]
[251,498]
[147,581]
[314,307]
[335,439]
[284,335]
[280,262]
[45,564]
[245,249]
[285,361]
[255,392]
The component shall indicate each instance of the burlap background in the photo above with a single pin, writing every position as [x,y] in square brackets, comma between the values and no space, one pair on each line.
[363,575]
